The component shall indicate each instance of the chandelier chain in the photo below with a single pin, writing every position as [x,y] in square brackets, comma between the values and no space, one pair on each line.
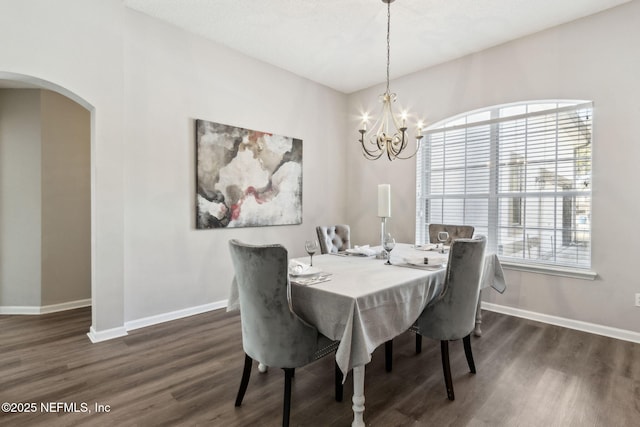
[388,41]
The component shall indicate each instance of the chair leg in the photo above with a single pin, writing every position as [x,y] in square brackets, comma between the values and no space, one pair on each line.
[246,373]
[288,376]
[418,343]
[388,355]
[339,386]
[446,367]
[467,351]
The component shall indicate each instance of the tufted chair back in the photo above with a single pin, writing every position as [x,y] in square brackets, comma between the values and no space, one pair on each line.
[452,315]
[455,232]
[271,332]
[334,238]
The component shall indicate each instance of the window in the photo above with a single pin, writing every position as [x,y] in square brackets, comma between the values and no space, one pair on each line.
[519,173]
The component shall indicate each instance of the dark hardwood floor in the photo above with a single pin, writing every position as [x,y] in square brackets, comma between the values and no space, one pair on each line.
[187,372]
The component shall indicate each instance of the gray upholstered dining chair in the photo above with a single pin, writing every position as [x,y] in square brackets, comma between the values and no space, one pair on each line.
[455,232]
[451,315]
[271,331]
[334,238]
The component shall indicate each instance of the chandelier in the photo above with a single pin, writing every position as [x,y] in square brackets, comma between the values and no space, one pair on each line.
[388,135]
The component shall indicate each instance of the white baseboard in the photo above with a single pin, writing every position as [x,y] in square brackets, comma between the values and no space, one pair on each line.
[173,315]
[45,309]
[131,325]
[621,334]
[98,336]
[65,306]
[108,334]
[16,309]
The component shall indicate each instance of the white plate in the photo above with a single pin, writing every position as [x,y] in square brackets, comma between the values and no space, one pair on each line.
[427,247]
[431,247]
[308,272]
[435,266]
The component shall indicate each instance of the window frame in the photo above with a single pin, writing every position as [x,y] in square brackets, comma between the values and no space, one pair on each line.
[464,122]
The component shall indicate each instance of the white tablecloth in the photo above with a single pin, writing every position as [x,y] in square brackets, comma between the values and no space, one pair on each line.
[367,303]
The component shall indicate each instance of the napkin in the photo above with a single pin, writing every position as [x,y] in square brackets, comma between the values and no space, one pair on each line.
[361,250]
[297,267]
[415,260]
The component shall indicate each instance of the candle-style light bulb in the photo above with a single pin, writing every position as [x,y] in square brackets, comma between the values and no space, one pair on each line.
[365,118]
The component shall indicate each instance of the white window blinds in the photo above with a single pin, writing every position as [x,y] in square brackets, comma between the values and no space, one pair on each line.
[521,174]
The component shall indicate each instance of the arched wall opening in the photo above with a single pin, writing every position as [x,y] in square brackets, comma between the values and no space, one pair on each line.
[59,165]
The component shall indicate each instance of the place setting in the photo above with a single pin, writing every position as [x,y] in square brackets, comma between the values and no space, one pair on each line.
[425,263]
[307,274]
[434,262]
[441,247]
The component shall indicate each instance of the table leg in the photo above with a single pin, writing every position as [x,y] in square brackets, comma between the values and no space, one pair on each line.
[358,396]
[477,331]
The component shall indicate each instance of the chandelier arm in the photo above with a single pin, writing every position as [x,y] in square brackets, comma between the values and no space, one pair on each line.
[412,155]
[370,155]
[404,142]
[378,128]
[388,110]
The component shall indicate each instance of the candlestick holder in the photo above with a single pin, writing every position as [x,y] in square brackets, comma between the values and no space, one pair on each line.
[383,232]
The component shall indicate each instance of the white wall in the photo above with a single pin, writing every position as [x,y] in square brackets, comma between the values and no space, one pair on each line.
[171,79]
[145,83]
[20,198]
[66,200]
[594,58]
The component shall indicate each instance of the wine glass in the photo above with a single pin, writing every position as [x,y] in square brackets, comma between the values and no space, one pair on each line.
[443,236]
[388,243]
[311,246]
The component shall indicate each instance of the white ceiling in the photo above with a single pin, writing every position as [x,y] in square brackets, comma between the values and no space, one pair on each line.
[342,43]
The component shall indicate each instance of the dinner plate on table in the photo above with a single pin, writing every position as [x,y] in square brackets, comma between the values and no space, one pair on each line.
[311,271]
[311,279]
[431,247]
[421,264]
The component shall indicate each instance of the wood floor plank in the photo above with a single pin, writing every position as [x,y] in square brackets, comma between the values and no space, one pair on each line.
[187,372]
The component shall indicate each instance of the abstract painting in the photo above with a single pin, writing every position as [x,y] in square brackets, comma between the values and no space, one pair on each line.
[246,178]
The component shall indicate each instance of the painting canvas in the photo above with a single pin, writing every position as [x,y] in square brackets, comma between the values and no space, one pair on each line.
[246,178]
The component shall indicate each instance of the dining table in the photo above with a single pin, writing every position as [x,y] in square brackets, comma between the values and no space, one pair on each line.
[362,301]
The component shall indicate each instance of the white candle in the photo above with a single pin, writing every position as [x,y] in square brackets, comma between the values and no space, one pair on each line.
[384,200]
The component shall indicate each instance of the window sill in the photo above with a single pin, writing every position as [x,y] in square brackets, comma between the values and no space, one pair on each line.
[575,273]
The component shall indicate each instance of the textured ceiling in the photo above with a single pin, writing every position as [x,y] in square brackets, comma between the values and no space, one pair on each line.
[341,43]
